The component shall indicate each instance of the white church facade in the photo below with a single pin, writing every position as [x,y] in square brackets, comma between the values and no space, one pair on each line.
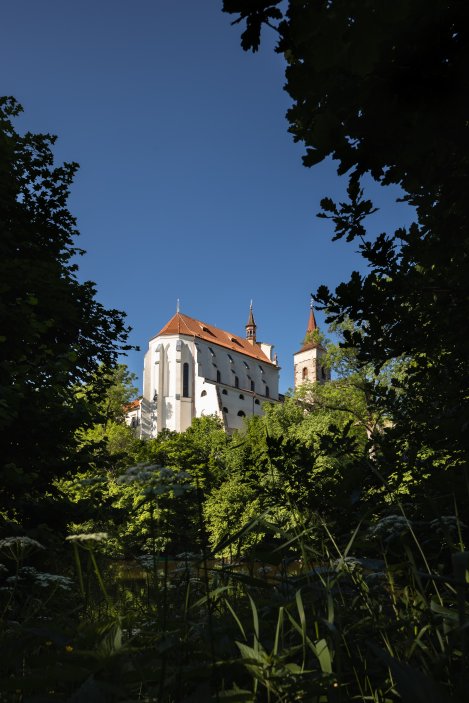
[193,369]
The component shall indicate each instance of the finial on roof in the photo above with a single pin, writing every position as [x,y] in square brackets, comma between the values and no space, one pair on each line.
[177,305]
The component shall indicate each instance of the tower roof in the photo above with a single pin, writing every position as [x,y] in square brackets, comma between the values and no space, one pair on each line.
[311,327]
[311,320]
[250,322]
[189,326]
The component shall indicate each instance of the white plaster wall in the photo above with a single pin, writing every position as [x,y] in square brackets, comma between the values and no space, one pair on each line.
[165,405]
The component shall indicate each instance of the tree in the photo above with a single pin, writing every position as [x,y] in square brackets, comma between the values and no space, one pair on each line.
[381,88]
[55,335]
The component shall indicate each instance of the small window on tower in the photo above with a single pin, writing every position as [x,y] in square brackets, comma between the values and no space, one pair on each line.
[305,374]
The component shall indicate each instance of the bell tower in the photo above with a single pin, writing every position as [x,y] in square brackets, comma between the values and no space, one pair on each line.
[309,361]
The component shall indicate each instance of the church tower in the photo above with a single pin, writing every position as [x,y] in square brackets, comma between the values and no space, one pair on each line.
[309,366]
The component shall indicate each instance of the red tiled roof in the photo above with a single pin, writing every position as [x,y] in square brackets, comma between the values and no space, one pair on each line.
[183,324]
[133,405]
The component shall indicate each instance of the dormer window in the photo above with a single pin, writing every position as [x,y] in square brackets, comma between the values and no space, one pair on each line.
[206,329]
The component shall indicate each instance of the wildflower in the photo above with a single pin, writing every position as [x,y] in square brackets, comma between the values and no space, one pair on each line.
[68,648]
[17,548]
[390,527]
[446,523]
[88,537]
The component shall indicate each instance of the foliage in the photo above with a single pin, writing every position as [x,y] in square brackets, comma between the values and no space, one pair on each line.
[381,90]
[54,332]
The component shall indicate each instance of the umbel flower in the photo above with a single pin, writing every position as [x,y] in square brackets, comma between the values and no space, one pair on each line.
[17,548]
[88,537]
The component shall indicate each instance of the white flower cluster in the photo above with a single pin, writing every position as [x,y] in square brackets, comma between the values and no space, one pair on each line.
[17,547]
[446,523]
[390,527]
[88,537]
[41,578]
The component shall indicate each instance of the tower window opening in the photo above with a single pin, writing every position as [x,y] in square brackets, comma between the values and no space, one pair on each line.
[304,373]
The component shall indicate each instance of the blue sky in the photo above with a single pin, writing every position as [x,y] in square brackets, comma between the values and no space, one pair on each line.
[189,186]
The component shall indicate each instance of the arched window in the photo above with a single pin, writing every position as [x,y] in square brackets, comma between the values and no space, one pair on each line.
[241,413]
[256,401]
[185,380]
[225,410]
[253,387]
[305,373]
[203,393]
[218,377]
[267,392]
[236,382]
[224,392]
[241,396]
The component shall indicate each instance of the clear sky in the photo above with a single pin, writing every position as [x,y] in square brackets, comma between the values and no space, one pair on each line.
[189,186]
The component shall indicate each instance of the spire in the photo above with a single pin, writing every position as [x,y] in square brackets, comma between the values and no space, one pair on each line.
[251,327]
[312,320]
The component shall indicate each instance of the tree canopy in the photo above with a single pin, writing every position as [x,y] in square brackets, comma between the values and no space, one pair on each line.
[381,88]
[55,334]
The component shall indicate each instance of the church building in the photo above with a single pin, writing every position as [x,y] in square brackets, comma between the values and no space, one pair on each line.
[193,369]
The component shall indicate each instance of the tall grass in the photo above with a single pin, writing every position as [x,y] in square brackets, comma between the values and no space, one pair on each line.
[380,616]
